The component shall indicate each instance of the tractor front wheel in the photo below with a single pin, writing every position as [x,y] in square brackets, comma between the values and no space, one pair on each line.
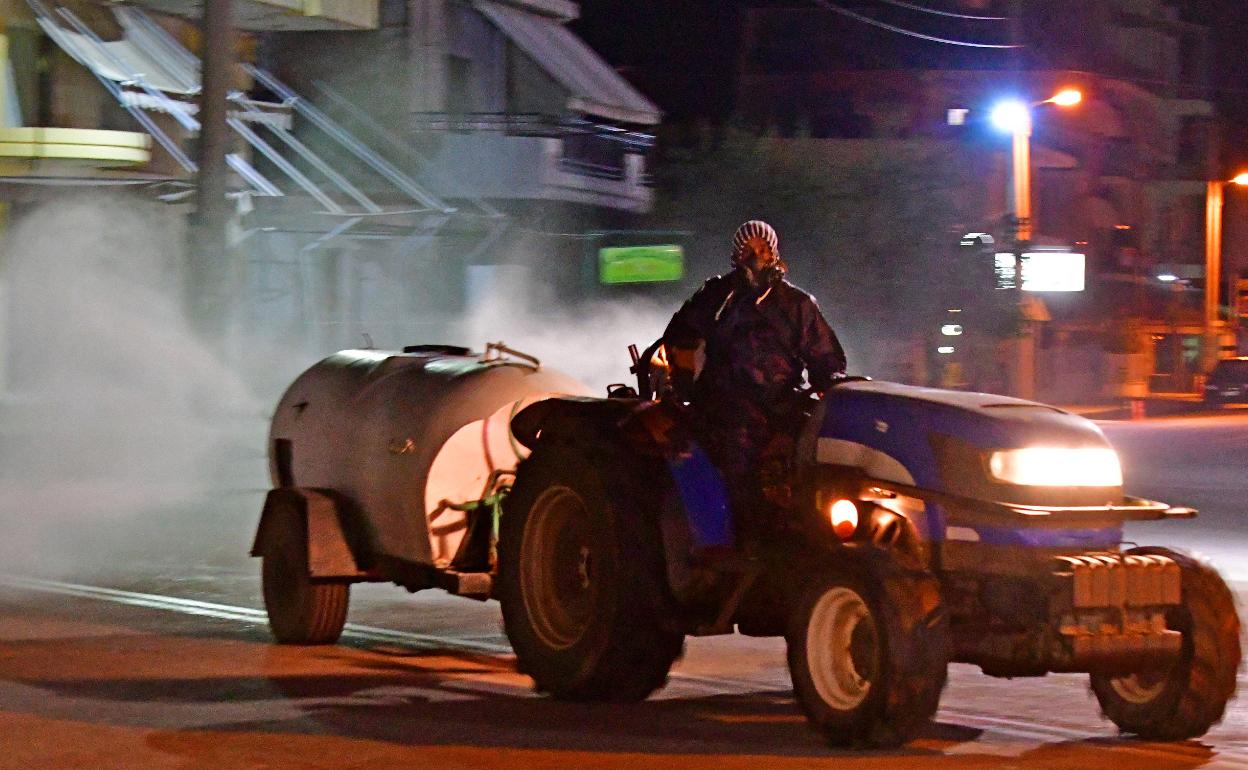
[1185,699]
[868,655]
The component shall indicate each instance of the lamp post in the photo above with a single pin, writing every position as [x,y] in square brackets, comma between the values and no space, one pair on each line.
[213,283]
[1215,194]
[1014,117]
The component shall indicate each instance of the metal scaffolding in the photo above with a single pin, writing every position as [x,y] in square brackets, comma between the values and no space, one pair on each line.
[156,79]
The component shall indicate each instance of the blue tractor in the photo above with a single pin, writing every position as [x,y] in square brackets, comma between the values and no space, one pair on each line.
[929,527]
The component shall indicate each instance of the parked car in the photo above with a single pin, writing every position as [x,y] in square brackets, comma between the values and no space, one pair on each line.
[1228,382]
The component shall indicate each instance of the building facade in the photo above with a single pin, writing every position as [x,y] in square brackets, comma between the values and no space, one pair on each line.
[394,161]
[1122,177]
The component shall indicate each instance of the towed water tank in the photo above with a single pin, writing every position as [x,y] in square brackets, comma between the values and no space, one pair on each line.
[401,434]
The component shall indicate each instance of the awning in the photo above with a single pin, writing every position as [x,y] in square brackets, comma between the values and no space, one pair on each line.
[282,15]
[1102,118]
[122,61]
[1047,157]
[596,88]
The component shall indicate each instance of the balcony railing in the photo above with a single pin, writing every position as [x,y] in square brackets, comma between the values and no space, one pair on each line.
[283,15]
[496,166]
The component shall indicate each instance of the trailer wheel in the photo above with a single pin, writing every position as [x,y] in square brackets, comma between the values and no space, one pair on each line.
[581,580]
[301,610]
[868,655]
[1190,697]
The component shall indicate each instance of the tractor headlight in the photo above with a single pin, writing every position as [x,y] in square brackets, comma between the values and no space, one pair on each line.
[1057,467]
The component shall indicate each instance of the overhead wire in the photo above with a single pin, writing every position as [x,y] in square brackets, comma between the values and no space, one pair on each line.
[834,8]
[947,14]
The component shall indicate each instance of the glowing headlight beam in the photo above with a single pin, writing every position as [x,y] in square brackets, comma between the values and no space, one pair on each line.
[1057,467]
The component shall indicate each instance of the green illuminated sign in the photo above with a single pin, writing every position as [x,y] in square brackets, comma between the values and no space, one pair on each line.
[641,264]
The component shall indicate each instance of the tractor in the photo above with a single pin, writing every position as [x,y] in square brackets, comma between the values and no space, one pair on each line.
[927,527]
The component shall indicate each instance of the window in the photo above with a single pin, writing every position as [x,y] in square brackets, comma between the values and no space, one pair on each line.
[594,155]
[460,88]
[1191,60]
[1192,149]
[1119,157]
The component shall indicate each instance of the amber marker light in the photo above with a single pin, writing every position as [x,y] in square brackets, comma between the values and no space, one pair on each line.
[844,515]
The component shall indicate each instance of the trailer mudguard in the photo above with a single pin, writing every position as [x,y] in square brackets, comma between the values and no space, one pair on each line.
[316,513]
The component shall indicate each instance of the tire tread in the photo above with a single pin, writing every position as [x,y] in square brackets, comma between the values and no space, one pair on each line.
[640,644]
[301,611]
[1210,665]
[917,652]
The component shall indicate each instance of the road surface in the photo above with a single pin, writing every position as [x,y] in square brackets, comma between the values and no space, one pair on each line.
[138,641]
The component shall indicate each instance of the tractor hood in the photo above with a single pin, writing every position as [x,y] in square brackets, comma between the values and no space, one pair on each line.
[942,440]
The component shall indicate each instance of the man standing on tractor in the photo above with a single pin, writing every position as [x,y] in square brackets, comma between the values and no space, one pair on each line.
[757,333]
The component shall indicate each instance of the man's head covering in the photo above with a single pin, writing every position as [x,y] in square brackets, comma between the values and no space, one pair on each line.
[755,228]
[756,254]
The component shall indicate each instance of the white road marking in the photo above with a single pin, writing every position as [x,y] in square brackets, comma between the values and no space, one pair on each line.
[241,614]
[702,684]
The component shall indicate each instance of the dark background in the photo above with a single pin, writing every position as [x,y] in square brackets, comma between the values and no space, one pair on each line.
[683,54]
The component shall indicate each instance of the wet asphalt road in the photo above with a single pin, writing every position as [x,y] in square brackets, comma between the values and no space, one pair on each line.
[137,641]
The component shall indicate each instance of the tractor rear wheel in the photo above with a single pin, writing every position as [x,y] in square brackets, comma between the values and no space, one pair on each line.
[301,610]
[1185,699]
[581,579]
[868,655]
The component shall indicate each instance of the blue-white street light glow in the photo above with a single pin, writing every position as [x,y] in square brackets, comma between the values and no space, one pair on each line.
[1167,278]
[1011,116]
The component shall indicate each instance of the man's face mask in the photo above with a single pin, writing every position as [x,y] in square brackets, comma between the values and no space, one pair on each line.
[759,260]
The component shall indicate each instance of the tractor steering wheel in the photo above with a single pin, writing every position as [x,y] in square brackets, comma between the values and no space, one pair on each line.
[649,382]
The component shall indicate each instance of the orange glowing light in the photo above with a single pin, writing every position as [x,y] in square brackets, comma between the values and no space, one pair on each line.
[1068,97]
[844,515]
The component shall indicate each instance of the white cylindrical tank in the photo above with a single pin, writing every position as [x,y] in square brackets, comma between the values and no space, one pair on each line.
[400,434]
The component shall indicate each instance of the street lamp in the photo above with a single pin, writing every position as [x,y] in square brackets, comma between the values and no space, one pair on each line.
[1066,98]
[1014,117]
[1215,193]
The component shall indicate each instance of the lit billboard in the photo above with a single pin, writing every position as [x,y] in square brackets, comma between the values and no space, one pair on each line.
[1044,271]
[641,264]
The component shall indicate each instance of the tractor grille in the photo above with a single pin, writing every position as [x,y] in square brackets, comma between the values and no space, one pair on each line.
[1120,580]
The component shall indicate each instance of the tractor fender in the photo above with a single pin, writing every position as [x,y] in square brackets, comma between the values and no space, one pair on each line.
[893,532]
[571,419]
[316,512]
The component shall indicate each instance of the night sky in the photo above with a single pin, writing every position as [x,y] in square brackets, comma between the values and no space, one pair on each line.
[683,53]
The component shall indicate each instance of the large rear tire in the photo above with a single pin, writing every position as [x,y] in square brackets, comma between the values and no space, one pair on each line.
[1186,699]
[581,579]
[869,654]
[301,610]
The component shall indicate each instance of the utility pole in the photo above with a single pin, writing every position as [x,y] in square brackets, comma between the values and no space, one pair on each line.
[1016,39]
[1024,384]
[1214,198]
[212,282]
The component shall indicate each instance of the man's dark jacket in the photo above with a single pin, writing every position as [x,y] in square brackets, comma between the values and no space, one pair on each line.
[757,340]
